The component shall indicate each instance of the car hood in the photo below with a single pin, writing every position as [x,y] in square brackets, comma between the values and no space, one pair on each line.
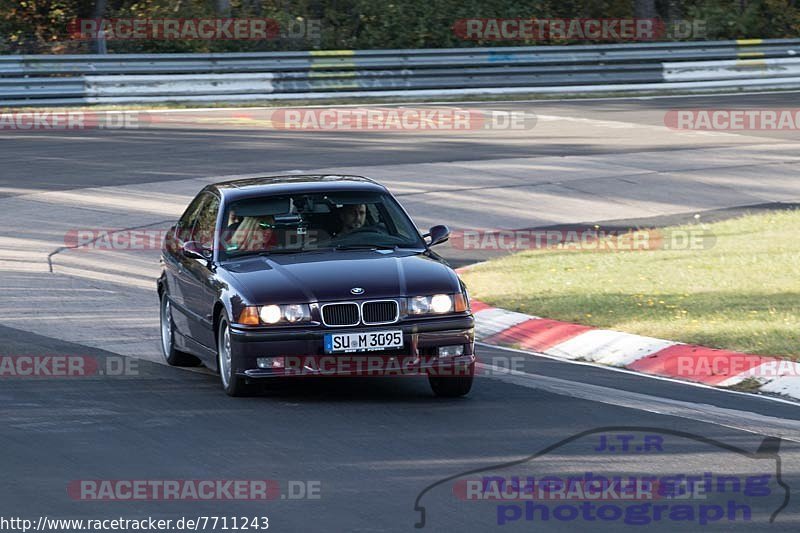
[331,276]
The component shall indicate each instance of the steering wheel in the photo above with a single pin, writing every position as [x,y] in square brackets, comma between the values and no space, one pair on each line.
[363,229]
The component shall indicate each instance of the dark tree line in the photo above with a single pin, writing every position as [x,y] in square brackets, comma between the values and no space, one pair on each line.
[41,26]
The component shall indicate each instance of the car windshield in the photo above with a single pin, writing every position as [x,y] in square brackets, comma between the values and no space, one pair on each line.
[306,222]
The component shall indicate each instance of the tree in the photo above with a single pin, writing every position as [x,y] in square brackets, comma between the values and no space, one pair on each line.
[223,7]
[644,9]
[99,42]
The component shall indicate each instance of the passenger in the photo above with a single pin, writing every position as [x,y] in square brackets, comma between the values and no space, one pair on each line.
[254,233]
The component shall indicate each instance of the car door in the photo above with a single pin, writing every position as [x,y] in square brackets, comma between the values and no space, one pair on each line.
[197,279]
[174,262]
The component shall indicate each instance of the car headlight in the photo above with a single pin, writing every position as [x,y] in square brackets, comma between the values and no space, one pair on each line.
[437,304]
[295,313]
[271,314]
[441,303]
[419,305]
[275,314]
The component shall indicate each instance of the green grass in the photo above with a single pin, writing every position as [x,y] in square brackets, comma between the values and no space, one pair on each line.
[742,293]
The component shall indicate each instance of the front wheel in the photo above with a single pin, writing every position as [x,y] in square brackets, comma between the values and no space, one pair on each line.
[232,384]
[172,355]
[452,387]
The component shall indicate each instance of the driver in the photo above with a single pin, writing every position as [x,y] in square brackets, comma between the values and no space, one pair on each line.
[352,217]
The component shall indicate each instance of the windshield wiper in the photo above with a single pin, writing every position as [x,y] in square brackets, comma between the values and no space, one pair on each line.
[274,252]
[366,247]
[292,251]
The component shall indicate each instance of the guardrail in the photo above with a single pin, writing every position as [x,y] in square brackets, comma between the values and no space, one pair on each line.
[31,80]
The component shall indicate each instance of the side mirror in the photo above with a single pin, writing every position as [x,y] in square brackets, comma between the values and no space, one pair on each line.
[438,235]
[194,250]
[169,239]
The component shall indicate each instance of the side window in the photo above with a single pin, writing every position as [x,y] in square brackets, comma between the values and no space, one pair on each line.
[386,214]
[206,222]
[183,230]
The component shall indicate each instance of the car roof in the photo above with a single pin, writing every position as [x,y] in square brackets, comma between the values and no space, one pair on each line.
[292,184]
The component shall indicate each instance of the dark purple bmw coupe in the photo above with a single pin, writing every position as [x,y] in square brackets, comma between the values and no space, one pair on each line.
[311,275]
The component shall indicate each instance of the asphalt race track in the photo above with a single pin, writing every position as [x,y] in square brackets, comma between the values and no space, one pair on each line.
[364,449]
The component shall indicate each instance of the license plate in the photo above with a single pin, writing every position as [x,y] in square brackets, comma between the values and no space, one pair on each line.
[365,341]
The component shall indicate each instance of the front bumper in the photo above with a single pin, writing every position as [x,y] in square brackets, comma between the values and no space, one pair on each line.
[305,354]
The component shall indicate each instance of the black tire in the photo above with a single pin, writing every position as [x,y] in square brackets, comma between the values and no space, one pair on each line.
[172,355]
[232,384]
[452,386]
